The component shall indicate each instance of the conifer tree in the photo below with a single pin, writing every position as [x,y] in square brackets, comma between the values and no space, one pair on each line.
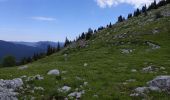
[49,50]
[67,42]
[110,25]
[83,36]
[120,18]
[58,47]
[129,16]
[137,12]
[89,34]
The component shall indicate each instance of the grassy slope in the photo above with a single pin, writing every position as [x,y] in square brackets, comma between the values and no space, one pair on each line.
[107,67]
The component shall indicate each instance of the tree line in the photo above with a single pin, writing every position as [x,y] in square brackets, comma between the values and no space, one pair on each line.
[144,10]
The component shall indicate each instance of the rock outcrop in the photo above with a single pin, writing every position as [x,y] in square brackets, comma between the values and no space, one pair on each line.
[8,88]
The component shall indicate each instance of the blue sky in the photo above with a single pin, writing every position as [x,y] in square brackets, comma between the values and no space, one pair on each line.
[53,20]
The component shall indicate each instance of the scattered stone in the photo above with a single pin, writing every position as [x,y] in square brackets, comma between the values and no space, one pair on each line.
[133,70]
[77,95]
[39,88]
[85,83]
[162,68]
[96,96]
[156,89]
[154,46]
[155,31]
[38,77]
[141,89]
[85,64]
[120,36]
[135,95]
[149,69]
[54,72]
[126,51]
[124,83]
[161,82]
[64,89]
[23,67]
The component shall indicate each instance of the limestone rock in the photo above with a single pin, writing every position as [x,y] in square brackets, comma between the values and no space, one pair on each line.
[64,89]
[162,82]
[23,67]
[54,72]
[8,88]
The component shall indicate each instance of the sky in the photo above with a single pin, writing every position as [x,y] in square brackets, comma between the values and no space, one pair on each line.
[54,20]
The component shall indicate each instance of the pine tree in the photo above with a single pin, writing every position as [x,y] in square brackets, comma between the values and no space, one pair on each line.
[49,50]
[58,47]
[110,25]
[67,42]
[137,12]
[120,19]
[89,34]
[29,60]
[161,3]
[83,36]
[129,16]
[100,28]
[144,10]
[153,6]
[35,57]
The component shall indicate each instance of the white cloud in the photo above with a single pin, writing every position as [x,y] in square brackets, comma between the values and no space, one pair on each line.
[41,18]
[135,3]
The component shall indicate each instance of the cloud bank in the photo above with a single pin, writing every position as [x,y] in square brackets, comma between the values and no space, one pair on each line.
[134,3]
[41,18]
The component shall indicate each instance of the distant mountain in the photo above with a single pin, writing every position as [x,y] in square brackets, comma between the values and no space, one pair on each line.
[23,49]
[17,50]
[42,44]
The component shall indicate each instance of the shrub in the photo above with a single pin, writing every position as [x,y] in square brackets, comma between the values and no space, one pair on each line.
[8,61]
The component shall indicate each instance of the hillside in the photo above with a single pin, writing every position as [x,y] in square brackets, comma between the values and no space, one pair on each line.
[111,65]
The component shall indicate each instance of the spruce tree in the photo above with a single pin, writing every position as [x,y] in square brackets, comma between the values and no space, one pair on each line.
[58,47]
[110,25]
[89,34]
[120,19]
[137,12]
[83,36]
[67,42]
[129,16]
[49,50]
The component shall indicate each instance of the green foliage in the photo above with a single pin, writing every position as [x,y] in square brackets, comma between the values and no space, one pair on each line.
[8,61]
